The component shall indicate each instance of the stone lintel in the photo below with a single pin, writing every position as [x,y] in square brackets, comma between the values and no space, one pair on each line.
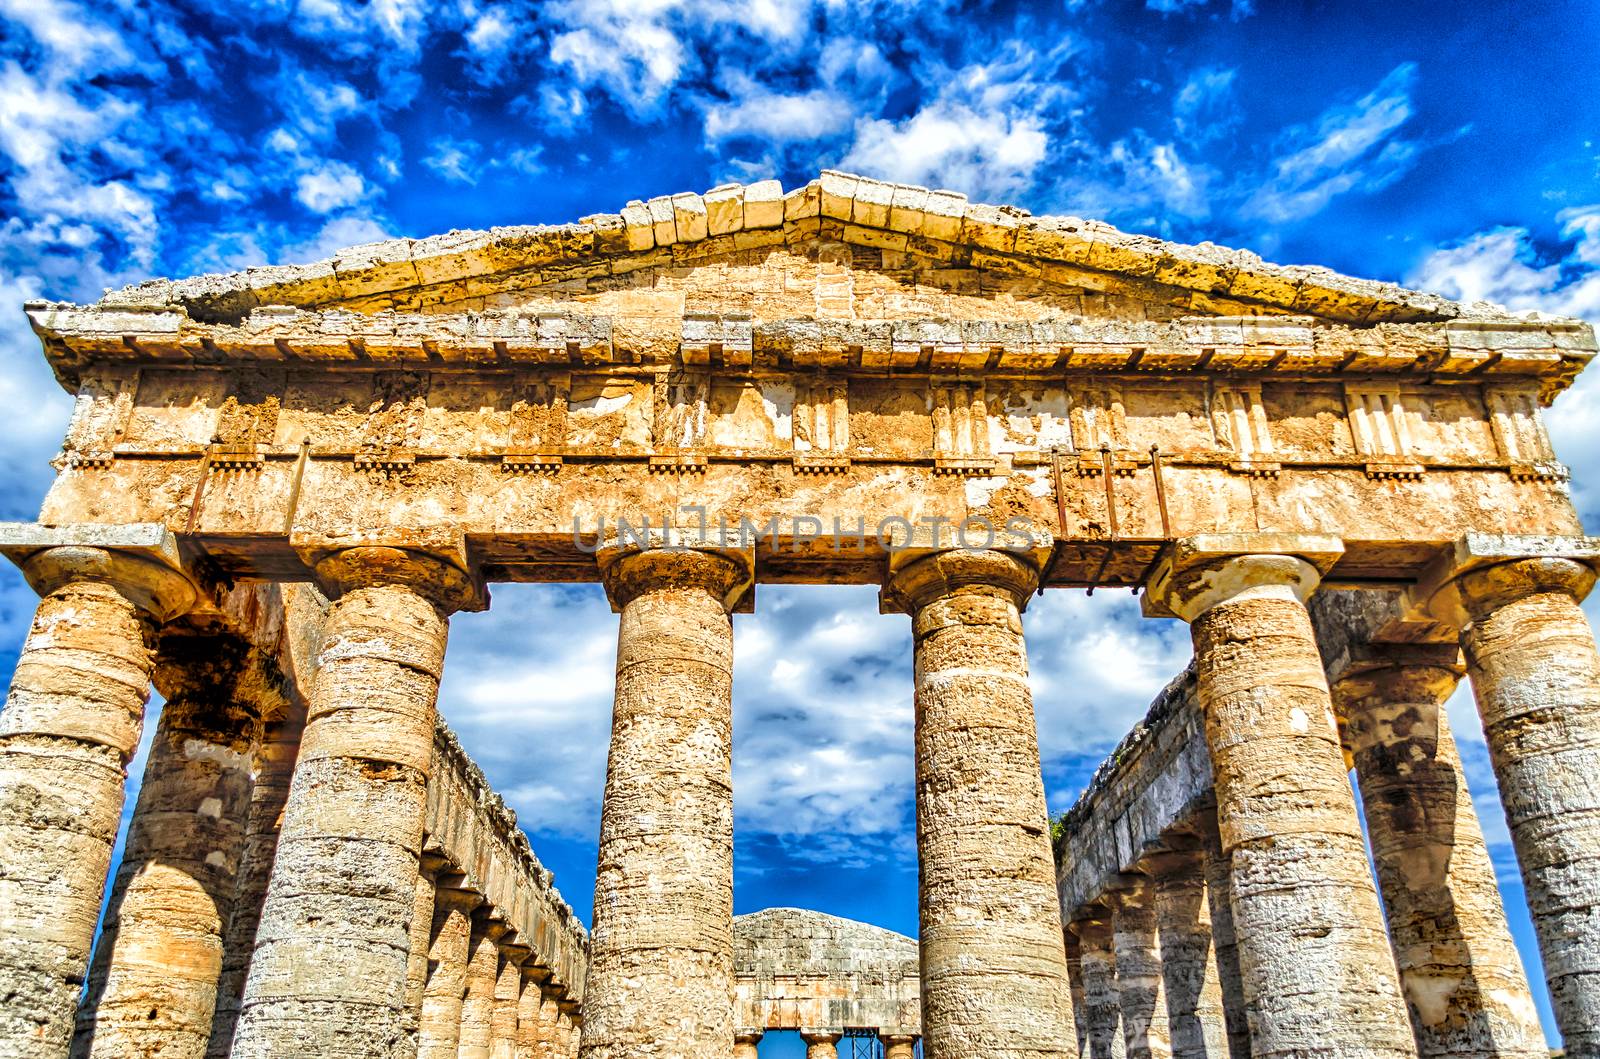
[1435,594]
[1171,586]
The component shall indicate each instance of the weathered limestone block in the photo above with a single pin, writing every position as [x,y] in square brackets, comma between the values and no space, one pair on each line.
[1463,980]
[329,973]
[994,966]
[661,968]
[477,1007]
[273,768]
[1102,1011]
[568,1035]
[70,724]
[549,1025]
[439,1028]
[153,985]
[746,1043]
[1191,979]
[1319,977]
[1224,940]
[1141,986]
[1531,655]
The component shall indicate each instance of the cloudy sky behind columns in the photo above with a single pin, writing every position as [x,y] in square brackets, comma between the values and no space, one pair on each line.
[1447,146]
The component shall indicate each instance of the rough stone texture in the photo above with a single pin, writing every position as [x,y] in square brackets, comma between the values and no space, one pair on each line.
[1531,655]
[746,1045]
[994,966]
[152,988]
[1224,939]
[1102,1010]
[1463,980]
[529,1023]
[328,975]
[273,769]
[417,950]
[1141,985]
[1191,977]
[796,969]
[1318,973]
[507,998]
[821,1045]
[70,724]
[661,968]
[549,1026]
[477,1007]
[899,1047]
[439,1028]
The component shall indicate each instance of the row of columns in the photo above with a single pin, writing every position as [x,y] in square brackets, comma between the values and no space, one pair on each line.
[479,998]
[824,1044]
[333,969]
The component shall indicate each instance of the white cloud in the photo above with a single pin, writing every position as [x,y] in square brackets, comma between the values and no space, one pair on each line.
[1158,174]
[1349,148]
[950,144]
[1204,109]
[454,159]
[777,117]
[330,186]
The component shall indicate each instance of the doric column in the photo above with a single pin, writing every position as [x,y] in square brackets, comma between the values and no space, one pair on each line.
[1102,1011]
[71,723]
[329,973]
[439,1027]
[549,1024]
[898,1046]
[529,1002]
[153,984]
[567,1034]
[1463,979]
[994,964]
[577,1035]
[417,952]
[477,1007]
[507,1000]
[821,1044]
[1189,970]
[273,768]
[1075,979]
[1224,941]
[1141,988]
[1284,805]
[661,965]
[1531,655]
[745,1043]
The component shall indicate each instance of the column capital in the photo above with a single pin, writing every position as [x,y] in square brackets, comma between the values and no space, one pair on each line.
[432,562]
[916,579]
[455,898]
[1483,571]
[141,561]
[821,1036]
[748,1035]
[1200,572]
[1395,673]
[727,574]
[891,1039]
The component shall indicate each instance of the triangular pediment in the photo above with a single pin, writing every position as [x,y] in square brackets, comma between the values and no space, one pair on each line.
[756,248]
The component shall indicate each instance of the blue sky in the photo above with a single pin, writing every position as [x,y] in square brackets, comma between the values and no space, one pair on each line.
[1449,146]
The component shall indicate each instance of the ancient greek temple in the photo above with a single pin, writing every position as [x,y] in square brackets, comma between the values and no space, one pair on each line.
[278,486]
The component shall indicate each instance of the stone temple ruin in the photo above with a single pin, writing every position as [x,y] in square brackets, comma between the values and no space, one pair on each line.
[277,486]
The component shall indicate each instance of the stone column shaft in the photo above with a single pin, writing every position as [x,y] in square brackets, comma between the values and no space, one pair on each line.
[507,998]
[529,1022]
[417,953]
[1141,987]
[1225,943]
[661,966]
[549,1025]
[1531,655]
[1102,1010]
[153,984]
[439,1027]
[899,1047]
[274,770]
[70,725]
[994,965]
[328,978]
[1318,973]
[1190,975]
[477,1007]
[1464,984]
